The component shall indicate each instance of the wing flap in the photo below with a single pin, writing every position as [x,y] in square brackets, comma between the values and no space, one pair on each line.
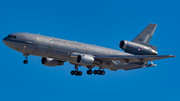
[133,58]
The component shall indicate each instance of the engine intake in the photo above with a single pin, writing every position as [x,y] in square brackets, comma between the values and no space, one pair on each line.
[51,62]
[85,59]
[136,48]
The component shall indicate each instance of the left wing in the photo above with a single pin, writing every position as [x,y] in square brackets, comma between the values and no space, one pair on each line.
[133,58]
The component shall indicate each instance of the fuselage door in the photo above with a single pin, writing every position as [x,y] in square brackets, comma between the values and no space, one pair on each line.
[51,43]
[85,50]
[22,39]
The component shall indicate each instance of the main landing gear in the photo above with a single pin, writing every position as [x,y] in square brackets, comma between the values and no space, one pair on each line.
[25,61]
[99,72]
[89,72]
[76,72]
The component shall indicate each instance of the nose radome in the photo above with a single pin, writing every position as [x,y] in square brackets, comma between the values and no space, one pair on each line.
[8,42]
[4,40]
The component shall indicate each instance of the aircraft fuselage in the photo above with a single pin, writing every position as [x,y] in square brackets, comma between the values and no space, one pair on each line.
[59,49]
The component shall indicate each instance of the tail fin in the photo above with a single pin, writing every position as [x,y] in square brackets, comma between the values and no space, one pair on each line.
[145,36]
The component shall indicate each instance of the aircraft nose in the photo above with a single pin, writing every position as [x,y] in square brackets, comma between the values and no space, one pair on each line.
[4,40]
[7,42]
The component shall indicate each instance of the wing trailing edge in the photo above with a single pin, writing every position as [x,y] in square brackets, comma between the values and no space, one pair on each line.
[133,58]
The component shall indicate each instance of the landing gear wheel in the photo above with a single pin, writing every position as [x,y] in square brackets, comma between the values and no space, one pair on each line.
[99,72]
[89,72]
[102,72]
[76,73]
[25,61]
[95,72]
[72,72]
[79,73]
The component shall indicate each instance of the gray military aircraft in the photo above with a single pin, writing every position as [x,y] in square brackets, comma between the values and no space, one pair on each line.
[55,52]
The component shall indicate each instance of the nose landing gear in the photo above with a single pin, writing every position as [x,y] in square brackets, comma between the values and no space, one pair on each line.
[25,61]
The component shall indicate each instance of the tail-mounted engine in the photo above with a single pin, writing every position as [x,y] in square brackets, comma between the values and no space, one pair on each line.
[136,48]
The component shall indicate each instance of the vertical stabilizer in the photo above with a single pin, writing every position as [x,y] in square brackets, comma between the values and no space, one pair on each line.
[146,35]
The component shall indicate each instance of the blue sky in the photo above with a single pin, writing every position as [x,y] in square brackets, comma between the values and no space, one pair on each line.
[104,23]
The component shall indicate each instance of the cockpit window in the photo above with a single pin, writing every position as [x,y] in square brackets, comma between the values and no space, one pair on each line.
[11,36]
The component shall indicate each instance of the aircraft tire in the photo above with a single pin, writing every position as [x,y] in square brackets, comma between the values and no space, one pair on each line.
[90,71]
[79,73]
[102,72]
[76,73]
[95,72]
[99,72]
[72,72]
[25,61]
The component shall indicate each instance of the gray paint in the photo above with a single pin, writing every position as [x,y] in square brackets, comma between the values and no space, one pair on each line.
[146,35]
[64,50]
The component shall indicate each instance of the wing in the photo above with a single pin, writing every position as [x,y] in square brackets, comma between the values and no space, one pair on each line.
[133,58]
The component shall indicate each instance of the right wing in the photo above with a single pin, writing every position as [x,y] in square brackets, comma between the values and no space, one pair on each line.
[133,58]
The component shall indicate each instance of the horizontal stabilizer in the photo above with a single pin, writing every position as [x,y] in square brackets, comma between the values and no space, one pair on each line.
[145,66]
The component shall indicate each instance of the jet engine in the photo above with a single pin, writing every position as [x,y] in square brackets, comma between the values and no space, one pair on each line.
[136,48]
[51,62]
[84,59]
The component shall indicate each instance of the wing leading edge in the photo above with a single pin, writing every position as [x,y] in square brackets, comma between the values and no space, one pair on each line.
[133,58]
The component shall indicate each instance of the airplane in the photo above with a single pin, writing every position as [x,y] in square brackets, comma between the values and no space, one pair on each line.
[54,52]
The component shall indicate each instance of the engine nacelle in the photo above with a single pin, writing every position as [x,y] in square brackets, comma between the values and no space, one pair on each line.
[84,59]
[137,48]
[50,62]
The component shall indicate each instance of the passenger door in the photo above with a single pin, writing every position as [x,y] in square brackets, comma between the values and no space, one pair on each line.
[51,45]
[22,39]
